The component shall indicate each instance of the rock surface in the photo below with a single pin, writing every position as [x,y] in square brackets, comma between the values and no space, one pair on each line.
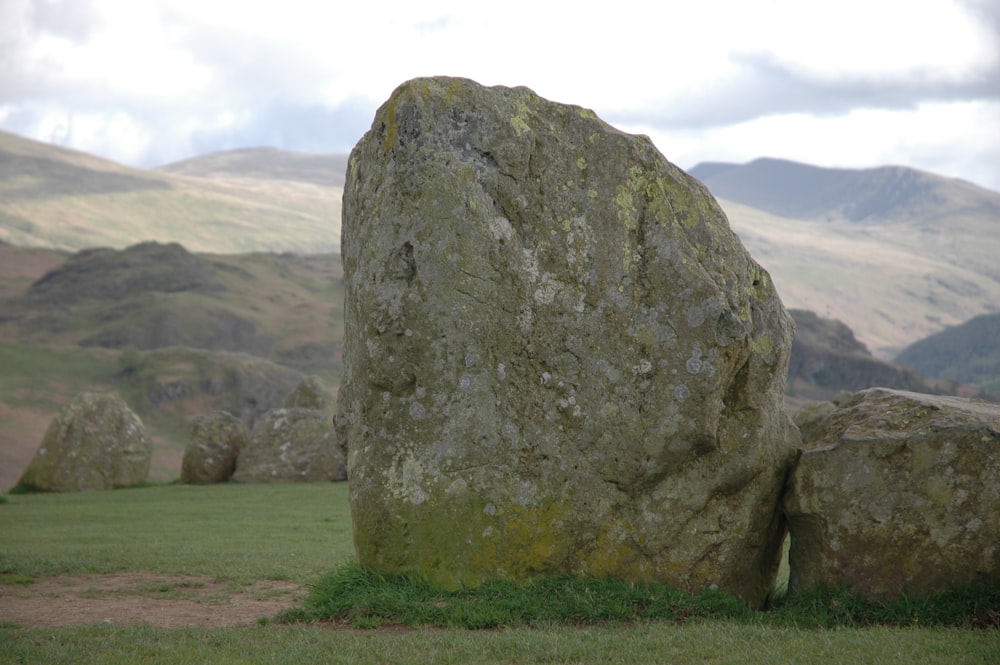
[898,495]
[291,445]
[215,443]
[311,393]
[94,443]
[559,358]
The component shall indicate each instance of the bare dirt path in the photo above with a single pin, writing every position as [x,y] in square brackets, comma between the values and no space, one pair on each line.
[138,598]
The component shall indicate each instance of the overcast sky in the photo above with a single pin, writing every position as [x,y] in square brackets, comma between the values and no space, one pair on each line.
[852,83]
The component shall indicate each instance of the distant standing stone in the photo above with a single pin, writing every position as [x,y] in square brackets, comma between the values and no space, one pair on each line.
[897,495]
[215,443]
[311,393]
[558,356]
[291,445]
[94,443]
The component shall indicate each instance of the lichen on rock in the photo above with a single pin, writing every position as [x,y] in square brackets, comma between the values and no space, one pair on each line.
[96,442]
[896,496]
[558,356]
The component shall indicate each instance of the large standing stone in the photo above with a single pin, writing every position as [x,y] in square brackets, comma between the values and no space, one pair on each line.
[898,495]
[291,445]
[94,443]
[559,358]
[215,443]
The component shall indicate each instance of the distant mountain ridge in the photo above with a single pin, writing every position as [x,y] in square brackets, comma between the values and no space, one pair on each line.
[266,164]
[896,253]
[243,201]
[791,189]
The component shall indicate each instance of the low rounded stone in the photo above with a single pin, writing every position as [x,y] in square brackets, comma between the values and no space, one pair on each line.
[215,443]
[897,496]
[94,443]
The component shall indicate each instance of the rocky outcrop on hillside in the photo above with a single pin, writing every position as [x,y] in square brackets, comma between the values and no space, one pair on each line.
[896,495]
[827,358]
[559,358]
[114,275]
[95,443]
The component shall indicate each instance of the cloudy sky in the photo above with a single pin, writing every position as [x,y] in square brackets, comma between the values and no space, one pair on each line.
[852,83]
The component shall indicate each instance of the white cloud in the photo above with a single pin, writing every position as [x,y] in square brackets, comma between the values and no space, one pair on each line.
[149,81]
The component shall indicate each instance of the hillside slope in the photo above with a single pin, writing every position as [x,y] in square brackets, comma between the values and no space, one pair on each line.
[886,193]
[827,358]
[285,308]
[896,253]
[967,353]
[56,198]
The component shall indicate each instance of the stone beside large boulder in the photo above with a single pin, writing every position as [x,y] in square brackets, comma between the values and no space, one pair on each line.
[94,443]
[897,495]
[558,356]
[311,393]
[214,445]
[289,445]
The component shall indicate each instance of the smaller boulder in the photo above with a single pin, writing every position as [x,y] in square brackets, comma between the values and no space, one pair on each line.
[94,443]
[291,445]
[216,442]
[896,495]
[311,393]
[810,416]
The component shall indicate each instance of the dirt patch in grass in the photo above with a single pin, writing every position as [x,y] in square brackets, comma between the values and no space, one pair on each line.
[140,598]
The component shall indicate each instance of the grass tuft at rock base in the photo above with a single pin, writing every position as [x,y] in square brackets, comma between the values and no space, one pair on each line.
[363,598]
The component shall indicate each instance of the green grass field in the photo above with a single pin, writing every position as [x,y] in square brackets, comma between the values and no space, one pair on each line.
[301,533]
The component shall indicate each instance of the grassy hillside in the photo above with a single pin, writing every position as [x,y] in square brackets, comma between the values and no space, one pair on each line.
[891,284]
[265,164]
[897,254]
[62,199]
[827,358]
[894,253]
[286,308]
[967,353]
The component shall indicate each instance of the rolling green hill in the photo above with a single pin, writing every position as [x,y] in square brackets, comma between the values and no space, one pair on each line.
[55,198]
[285,308]
[967,353]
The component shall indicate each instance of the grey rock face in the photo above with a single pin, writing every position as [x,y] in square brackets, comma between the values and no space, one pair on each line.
[311,393]
[898,495]
[291,445]
[215,443]
[95,443]
[559,358]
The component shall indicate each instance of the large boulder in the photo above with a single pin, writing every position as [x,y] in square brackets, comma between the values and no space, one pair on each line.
[559,358]
[215,443]
[94,443]
[897,495]
[291,445]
